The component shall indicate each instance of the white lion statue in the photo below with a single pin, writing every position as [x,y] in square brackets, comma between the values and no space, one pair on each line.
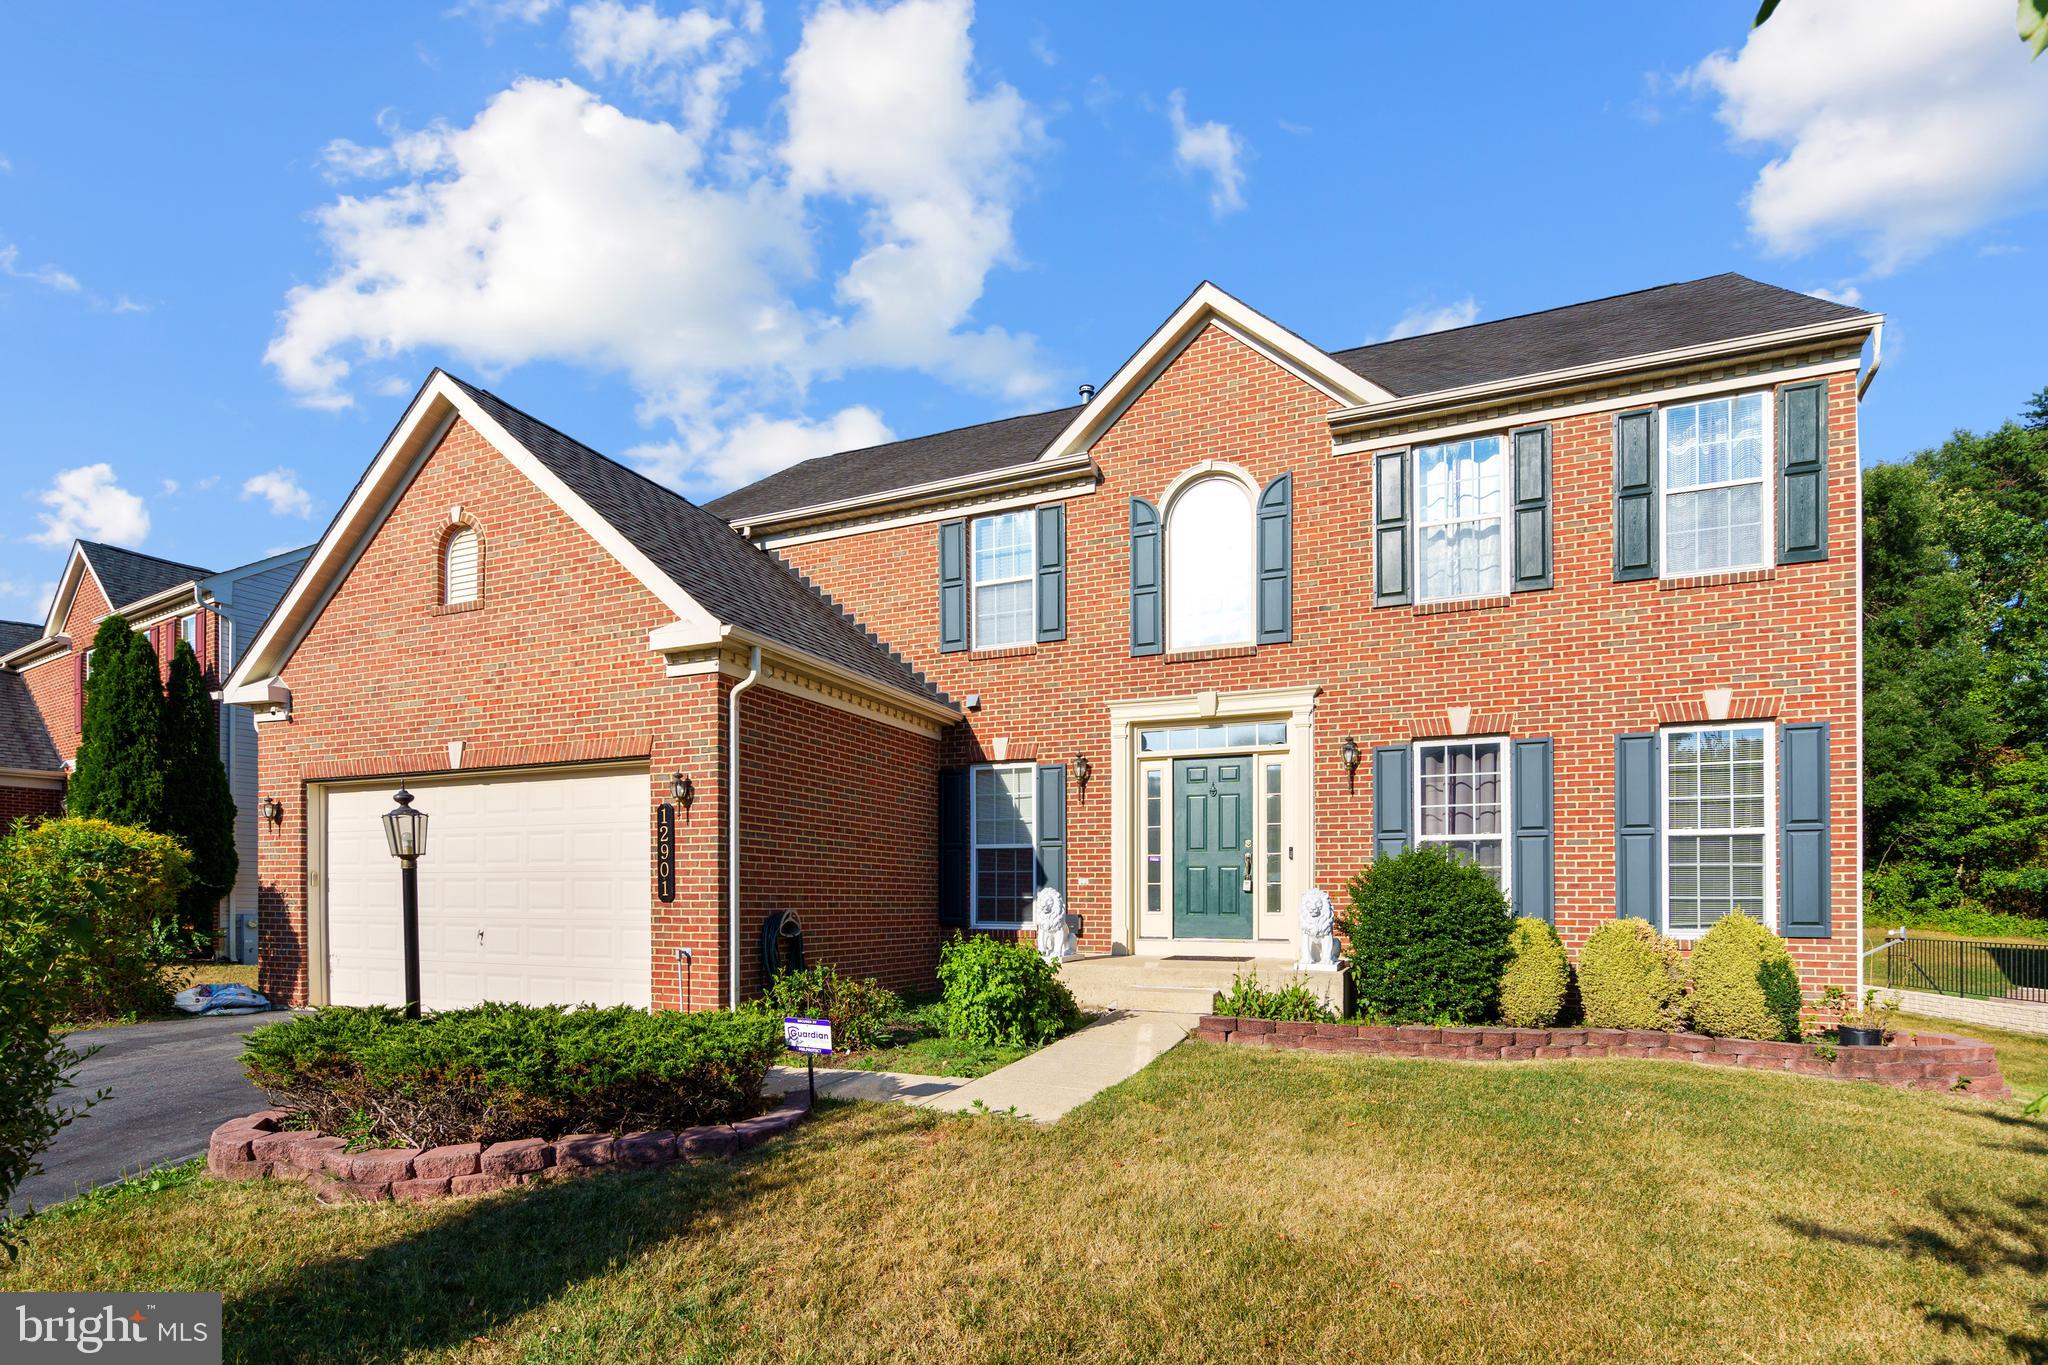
[1055,930]
[1318,919]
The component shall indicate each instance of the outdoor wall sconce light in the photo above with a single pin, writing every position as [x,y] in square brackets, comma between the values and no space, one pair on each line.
[684,790]
[1082,768]
[1351,760]
[272,810]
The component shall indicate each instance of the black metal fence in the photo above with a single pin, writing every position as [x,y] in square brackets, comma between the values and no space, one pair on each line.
[1977,969]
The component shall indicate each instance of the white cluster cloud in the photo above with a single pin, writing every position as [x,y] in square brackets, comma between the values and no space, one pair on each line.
[87,504]
[678,251]
[49,276]
[1212,149]
[281,489]
[37,595]
[1900,124]
[1432,318]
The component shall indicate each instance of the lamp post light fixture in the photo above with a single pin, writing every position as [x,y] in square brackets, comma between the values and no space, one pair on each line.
[1351,761]
[405,829]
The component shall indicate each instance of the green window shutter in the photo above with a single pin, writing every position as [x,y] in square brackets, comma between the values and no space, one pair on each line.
[953,852]
[952,586]
[1390,554]
[1803,473]
[1635,495]
[1534,871]
[1052,827]
[1392,785]
[1804,891]
[1052,572]
[1276,562]
[1638,829]
[1532,509]
[1148,623]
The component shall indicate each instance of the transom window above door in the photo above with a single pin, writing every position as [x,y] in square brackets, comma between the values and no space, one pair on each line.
[1005,569]
[1241,734]
[1461,518]
[1716,498]
[1461,796]
[1209,569]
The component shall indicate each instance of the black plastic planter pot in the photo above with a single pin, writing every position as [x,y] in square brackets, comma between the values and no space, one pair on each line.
[1859,1037]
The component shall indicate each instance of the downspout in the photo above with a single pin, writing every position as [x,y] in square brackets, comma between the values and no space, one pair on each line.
[732,824]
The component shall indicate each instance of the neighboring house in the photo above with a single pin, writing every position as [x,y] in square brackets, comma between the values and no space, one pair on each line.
[47,664]
[1573,594]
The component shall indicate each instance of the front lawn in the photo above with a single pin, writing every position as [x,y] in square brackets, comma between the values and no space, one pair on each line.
[1226,1203]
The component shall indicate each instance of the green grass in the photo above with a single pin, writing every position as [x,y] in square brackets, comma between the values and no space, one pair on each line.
[2023,1057]
[1226,1204]
[914,1042]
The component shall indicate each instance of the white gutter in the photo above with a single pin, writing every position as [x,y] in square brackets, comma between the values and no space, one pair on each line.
[732,823]
[1876,359]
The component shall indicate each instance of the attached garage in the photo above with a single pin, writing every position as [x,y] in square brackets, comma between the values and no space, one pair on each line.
[535,888]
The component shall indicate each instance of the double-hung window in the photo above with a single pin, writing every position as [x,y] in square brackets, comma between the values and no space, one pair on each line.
[1005,828]
[1005,594]
[188,630]
[1717,784]
[1461,518]
[1461,799]
[1716,496]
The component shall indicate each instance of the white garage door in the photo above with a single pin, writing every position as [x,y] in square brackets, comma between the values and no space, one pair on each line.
[533,889]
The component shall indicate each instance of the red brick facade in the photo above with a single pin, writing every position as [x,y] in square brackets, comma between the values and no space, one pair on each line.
[28,803]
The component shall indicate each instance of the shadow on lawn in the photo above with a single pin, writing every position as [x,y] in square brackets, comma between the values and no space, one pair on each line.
[493,1259]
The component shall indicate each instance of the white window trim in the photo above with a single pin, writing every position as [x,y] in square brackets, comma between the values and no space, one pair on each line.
[974,845]
[1507,520]
[975,584]
[87,656]
[1767,538]
[1507,807]
[188,630]
[1185,484]
[476,592]
[1770,829]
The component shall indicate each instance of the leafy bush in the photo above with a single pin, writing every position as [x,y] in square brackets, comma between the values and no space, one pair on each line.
[998,992]
[1743,983]
[1429,938]
[116,890]
[35,1065]
[505,1071]
[855,1007]
[198,807]
[1247,999]
[1538,979]
[1631,977]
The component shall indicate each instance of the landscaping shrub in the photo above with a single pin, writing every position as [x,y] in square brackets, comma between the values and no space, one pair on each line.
[35,1064]
[1247,999]
[1630,976]
[118,773]
[855,1007]
[1743,983]
[997,992]
[198,806]
[1538,979]
[117,888]
[508,1071]
[1429,938]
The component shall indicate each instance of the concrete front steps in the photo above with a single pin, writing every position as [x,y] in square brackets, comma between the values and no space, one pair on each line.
[1148,984]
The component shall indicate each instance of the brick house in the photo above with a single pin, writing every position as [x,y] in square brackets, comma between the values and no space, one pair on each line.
[44,667]
[1575,594]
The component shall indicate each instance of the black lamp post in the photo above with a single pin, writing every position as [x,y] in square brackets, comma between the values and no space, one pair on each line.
[405,829]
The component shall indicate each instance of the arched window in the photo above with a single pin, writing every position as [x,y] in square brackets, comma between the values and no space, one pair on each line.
[461,566]
[1209,569]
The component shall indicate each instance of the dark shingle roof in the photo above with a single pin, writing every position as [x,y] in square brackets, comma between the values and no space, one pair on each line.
[1718,308]
[735,580]
[15,634]
[899,464]
[24,742]
[128,576]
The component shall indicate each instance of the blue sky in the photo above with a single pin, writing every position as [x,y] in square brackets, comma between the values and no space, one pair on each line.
[233,239]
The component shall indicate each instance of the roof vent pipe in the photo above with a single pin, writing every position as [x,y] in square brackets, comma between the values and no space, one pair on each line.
[1087,392]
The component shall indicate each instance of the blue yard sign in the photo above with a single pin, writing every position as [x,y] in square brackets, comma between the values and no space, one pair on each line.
[812,1037]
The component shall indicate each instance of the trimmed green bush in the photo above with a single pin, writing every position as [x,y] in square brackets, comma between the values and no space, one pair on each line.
[998,992]
[1247,999]
[1538,979]
[118,774]
[198,808]
[855,1007]
[1630,976]
[1429,938]
[1743,983]
[116,890]
[509,1071]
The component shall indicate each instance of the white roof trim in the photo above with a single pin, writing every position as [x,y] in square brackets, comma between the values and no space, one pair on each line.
[433,410]
[67,589]
[1205,306]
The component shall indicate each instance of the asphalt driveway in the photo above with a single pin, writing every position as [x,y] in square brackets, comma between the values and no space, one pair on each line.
[173,1083]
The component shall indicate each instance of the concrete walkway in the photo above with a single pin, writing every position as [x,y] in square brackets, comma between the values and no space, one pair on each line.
[881,1086]
[1045,1085]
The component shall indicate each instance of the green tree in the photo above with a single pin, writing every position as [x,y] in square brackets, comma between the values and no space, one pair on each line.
[118,774]
[198,809]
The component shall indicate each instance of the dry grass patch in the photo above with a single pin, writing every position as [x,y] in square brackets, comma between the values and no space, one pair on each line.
[1224,1204]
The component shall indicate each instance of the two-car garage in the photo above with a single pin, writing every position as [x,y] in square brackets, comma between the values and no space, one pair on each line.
[534,888]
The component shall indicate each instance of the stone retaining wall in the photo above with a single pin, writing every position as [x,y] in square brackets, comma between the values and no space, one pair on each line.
[253,1147]
[1919,1061]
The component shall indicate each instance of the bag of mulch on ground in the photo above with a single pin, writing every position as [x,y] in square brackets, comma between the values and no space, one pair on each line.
[223,999]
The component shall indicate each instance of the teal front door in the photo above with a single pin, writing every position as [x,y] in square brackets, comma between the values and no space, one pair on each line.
[1212,832]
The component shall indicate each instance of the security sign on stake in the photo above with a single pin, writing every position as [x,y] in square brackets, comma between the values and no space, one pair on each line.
[810,1036]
